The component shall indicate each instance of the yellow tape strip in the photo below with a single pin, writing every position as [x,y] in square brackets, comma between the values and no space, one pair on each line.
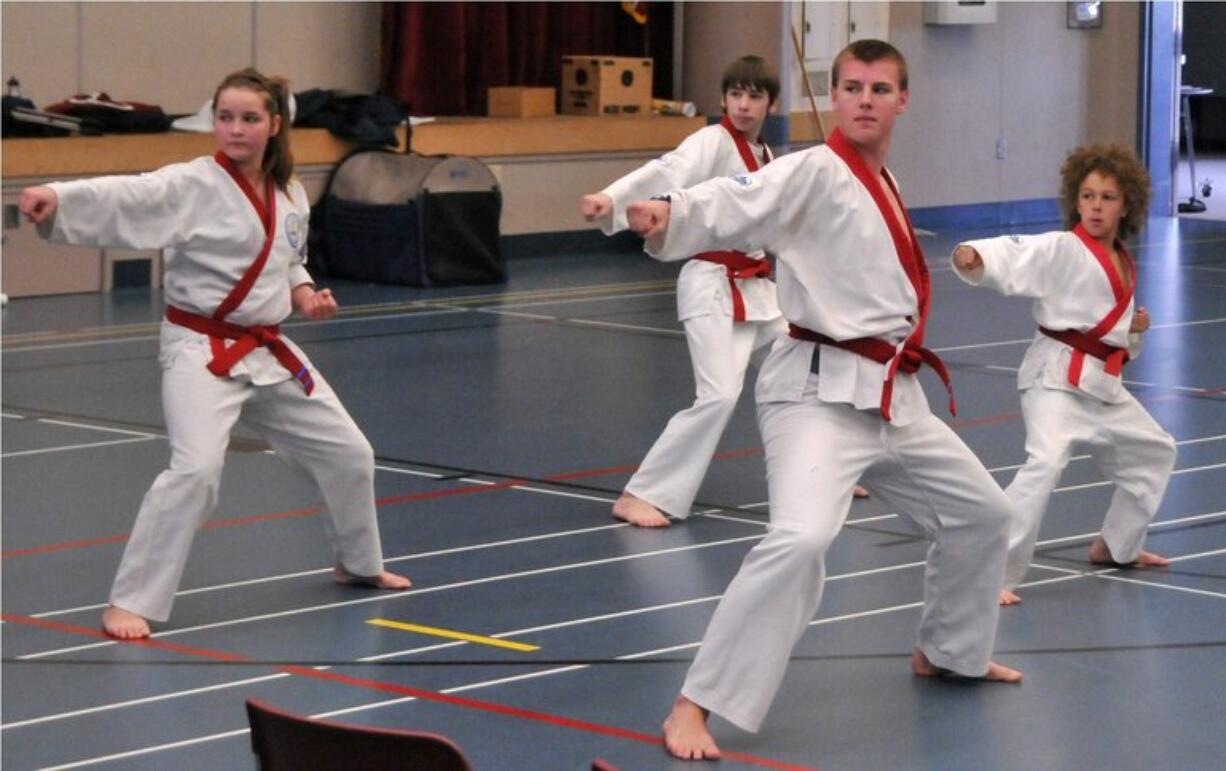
[472,638]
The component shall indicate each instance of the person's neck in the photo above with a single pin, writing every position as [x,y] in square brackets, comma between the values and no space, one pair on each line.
[253,173]
[874,157]
[1108,241]
[255,176]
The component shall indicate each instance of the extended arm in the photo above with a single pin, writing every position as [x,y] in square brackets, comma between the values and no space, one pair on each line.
[747,212]
[1012,265]
[149,211]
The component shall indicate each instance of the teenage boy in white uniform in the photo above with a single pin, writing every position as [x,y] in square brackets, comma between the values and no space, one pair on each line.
[837,399]
[725,299]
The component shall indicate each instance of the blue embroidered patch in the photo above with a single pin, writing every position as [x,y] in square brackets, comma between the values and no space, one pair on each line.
[742,179]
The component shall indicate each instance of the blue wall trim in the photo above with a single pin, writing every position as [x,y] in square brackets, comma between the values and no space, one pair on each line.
[986,215]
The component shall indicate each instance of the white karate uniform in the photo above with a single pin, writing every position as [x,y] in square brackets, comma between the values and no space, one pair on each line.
[212,233]
[1072,291]
[720,350]
[839,274]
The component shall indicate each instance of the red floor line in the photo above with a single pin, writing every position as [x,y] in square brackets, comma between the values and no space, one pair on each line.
[404,690]
[254,518]
[54,547]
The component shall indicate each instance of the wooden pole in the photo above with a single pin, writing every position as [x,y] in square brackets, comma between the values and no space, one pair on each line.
[800,59]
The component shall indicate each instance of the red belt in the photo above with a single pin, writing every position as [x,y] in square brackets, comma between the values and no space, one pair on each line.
[738,265]
[1082,343]
[247,339]
[907,360]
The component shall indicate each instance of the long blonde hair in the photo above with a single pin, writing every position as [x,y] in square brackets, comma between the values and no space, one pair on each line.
[278,161]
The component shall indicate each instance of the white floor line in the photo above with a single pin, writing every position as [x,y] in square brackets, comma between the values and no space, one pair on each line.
[387,596]
[581,621]
[84,446]
[1108,573]
[89,427]
[395,470]
[1152,526]
[321,571]
[147,750]
[1002,343]
[512,314]
[1105,482]
[144,700]
[631,327]
[1187,323]
[476,547]
[598,298]
[1200,440]
[997,344]
[432,308]
[564,494]
[553,671]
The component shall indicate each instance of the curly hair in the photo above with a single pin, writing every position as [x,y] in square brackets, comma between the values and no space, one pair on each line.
[1117,162]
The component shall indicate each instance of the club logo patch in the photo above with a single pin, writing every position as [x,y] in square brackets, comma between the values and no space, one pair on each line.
[294,229]
[742,179]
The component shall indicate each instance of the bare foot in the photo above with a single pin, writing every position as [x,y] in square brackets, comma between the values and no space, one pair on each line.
[860,491]
[685,732]
[1101,555]
[638,512]
[998,673]
[1147,559]
[123,624]
[385,579]
[1009,598]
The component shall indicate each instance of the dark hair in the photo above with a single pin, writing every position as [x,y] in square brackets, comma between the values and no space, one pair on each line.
[1117,162]
[753,73]
[278,161]
[869,51]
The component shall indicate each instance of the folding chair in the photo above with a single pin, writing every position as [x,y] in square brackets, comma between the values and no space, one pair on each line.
[283,741]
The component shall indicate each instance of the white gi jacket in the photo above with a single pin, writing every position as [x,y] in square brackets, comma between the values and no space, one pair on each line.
[211,233]
[702,287]
[1072,290]
[838,272]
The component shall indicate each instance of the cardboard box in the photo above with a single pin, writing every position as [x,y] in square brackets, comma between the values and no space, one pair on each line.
[521,102]
[606,85]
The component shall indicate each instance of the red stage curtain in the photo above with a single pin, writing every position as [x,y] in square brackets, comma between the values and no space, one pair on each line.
[442,57]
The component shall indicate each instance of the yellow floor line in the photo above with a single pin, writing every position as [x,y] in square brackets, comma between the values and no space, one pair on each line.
[473,638]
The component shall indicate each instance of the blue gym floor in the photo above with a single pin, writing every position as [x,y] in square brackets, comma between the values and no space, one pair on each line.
[505,421]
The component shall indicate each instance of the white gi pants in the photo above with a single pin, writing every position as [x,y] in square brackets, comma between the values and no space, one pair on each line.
[720,349]
[815,454]
[314,434]
[1131,450]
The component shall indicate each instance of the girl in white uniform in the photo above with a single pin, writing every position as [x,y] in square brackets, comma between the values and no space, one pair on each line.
[838,398]
[235,227]
[1083,283]
[725,299]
